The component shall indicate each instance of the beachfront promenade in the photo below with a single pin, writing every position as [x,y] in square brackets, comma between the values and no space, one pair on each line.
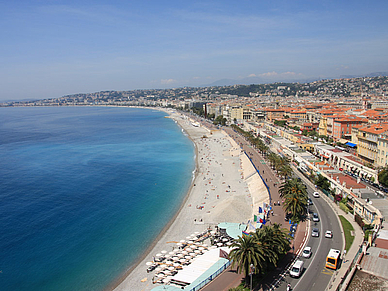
[230,278]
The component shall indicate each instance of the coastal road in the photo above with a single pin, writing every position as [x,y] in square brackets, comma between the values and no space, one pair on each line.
[315,276]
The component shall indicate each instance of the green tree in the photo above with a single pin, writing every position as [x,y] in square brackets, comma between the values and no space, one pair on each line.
[383,177]
[220,120]
[285,171]
[276,240]
[322,182]
[294,193]
[246,251]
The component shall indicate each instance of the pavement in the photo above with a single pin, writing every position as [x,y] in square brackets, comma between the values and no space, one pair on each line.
[230,278]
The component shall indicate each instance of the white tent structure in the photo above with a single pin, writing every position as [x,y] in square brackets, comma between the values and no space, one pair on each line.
[198,266]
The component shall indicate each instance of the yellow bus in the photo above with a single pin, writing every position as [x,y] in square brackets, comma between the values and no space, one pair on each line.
[332,259]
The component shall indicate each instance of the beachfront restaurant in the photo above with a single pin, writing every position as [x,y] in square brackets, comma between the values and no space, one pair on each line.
[206,267]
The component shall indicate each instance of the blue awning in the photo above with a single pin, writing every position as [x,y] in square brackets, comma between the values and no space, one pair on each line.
[351,144]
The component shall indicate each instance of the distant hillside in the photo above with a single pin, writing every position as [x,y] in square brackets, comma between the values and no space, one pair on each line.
[257,80]
[371,75]
[268,80]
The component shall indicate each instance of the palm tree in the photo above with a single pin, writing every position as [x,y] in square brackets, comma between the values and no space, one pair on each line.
[295,197]
[272,158]
[285,171]
[275,239]
[246,251]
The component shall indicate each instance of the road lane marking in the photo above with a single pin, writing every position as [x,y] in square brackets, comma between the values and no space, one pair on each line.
[327,271]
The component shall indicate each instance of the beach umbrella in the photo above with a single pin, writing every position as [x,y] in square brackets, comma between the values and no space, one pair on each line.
[158,255]
[169,262]
[171,253]
[185,252]
[149,263]
[176,250]
[229,243]
[212,247]
[164,252]
[167,256]
[160,275]
[197,251]
[201,248]
[157,269]
[182,260]
[181,255]
[188,237]
[205,245]
[171,268]
[166,280]
[219,244]
[193,246]
[197,232]
[188,249]
[176,264]
[179,244]
[182,241]
[187,257]
[175,258]
[224,239]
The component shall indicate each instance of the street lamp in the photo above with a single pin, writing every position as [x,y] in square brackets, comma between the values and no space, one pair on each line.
[252,269]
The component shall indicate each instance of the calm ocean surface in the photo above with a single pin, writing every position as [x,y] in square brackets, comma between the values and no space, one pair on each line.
[84,191]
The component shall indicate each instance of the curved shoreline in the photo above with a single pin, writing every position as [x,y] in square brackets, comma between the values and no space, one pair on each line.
[157,239]
[219,190]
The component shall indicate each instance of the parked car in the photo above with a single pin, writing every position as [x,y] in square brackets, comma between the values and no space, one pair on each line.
[316,195]
[306,252]
[328,234]
[309,201]
[315,217]
[315,232]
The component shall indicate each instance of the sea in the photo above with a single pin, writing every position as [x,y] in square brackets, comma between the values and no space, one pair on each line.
[84,191]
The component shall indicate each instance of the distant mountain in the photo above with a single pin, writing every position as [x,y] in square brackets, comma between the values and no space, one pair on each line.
[371,75]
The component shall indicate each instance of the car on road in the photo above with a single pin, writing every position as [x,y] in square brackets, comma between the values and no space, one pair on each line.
[315,232]
[315,217]
[309,201]
[316,195]
[306,252]
[297,269]
[328,234]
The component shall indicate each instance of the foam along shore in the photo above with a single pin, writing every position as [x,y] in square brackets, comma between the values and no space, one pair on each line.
[225,188]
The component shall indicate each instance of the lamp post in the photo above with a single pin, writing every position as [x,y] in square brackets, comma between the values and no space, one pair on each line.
[252,269]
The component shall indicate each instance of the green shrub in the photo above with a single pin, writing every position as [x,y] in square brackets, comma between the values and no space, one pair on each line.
[344,207]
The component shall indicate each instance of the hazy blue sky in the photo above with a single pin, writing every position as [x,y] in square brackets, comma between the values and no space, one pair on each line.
[54,48]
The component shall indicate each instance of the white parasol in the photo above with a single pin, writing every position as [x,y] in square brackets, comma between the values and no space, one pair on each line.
[149,263]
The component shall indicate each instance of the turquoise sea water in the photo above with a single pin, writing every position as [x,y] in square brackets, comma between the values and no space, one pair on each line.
[84,191]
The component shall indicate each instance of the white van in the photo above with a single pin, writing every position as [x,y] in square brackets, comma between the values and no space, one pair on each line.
[297,269]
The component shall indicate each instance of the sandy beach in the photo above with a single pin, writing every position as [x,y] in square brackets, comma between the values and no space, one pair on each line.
[226,188]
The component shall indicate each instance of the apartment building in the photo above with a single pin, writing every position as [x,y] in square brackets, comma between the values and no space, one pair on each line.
[342,127]
[368,138]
